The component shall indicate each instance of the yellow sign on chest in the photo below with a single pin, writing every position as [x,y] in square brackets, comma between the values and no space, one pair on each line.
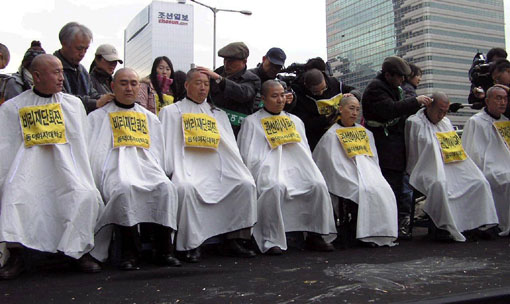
[503,128]
[200,131]
[280,130]
[130,129]
[43,125]
[451,147]
[354,141]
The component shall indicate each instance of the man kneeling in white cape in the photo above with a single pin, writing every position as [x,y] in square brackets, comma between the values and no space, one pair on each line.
[486,138]
[292,194]
[459,197]
[217,194]
[126,156]
[48,198]
[347,158]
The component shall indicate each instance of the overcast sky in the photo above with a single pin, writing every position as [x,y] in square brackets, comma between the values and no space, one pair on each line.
[298,27]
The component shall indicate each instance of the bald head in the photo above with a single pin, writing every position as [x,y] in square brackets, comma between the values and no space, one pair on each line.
[125,86]
[268,85]
[48,74]
[349,109]
[5,56]
[438,109]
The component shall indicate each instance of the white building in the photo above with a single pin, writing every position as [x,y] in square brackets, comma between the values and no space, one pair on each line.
[160,29]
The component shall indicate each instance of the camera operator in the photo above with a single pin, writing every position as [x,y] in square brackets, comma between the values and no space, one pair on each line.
[318,96]
[500,73]
[480,76]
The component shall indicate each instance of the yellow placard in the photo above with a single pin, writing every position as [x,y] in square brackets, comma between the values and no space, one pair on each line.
[280,130]
[200,131]
[167,100]
[355,141]
[451,146]
[43,125]
[130,129]
[503,128]
[329,106]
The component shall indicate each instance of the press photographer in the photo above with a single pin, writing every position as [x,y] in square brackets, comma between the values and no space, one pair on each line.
[480,76]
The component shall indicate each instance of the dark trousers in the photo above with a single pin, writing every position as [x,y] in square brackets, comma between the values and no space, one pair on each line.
[399,183]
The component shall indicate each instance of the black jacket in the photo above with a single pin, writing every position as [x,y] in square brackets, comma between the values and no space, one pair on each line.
[382,103]
[101,81]
[77,83]
[236,92]
[306,107]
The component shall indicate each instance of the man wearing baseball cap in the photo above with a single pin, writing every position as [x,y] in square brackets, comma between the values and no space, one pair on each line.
[102,68]
[272,63]
[233,87]
[385,111]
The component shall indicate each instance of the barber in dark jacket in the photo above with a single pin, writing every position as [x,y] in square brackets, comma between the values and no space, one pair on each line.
[385,111]
[75,40]
[233,88]
[315,86]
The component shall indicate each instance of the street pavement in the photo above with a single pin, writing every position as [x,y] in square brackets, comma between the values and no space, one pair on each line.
[420,270]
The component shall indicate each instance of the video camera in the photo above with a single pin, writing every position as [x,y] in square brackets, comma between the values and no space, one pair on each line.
[479,73]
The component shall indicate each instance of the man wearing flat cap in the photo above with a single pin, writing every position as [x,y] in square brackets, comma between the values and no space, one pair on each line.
[233,87]
[272,63]
[385,111]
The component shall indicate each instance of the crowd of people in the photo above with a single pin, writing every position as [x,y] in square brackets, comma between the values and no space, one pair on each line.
[234,157]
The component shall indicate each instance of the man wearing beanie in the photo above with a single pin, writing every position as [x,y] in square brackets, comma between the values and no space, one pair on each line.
[385,111]
[233,88]
[22,79]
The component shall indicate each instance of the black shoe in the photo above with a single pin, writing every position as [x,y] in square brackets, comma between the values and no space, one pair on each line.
[167,260]
[315,242]
[14,267]
[404,228]
[438,234]
[87,264]
[190,256]
[489,234]
[274,251]
[234,249]
[129,264]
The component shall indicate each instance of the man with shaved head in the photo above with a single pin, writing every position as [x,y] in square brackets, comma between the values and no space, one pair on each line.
[292,194]
[217,194]
[126,155]
[459,199]
[363,200]
[486,138]
[49,201]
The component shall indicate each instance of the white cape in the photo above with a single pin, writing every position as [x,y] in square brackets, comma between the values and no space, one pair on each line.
[216,191]
[360,180]
[48,198]
[488,150]
[131,179]
[459,197]
[292,194]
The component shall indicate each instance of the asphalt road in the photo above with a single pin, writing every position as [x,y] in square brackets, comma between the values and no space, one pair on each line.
[414,271]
